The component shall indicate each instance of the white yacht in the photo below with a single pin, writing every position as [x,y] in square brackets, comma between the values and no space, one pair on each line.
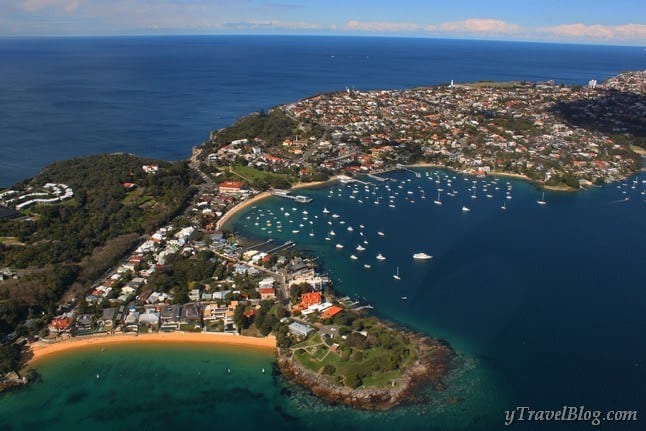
[396,275]
[380,257]
[421,256]
[542,200]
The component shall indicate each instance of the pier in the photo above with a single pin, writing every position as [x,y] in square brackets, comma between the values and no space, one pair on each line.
[404,168]
[287,195]
[378,178]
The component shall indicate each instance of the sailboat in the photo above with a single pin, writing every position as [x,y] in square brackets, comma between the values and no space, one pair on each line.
[504,206]
[396,276]
[542,200]
[438,201]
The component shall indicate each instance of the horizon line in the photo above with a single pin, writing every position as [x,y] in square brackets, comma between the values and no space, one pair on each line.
[322,35]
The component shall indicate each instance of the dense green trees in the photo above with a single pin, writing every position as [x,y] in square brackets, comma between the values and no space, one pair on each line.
[273,128]
[73,242]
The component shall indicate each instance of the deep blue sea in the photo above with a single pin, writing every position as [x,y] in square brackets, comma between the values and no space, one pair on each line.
[545,304]
[159,96]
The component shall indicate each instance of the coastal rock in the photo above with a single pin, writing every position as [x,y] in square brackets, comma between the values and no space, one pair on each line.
[436,358]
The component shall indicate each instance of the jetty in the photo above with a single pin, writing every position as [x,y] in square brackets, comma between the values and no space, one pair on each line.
[404,168]
[288,195]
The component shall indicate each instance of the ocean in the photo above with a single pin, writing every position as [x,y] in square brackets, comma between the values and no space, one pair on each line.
[544,304]
[159,96]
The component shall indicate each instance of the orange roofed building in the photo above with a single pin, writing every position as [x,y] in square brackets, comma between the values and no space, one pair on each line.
[331,312]
[309,299]
[60,324]
[230,187]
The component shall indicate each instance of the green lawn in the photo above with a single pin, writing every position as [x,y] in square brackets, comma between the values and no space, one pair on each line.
[382,379]
[305,359]
[253,174]
[311,341]
[320,352]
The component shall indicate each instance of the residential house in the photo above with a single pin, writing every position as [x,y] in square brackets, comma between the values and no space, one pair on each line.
[299,329]
[191,314]
[170,317]
[61,324]
[84,324]
[267,293]
[149,318]
[107,318]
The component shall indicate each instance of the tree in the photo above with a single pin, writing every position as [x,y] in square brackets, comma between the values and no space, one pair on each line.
[238,317]
[352,379]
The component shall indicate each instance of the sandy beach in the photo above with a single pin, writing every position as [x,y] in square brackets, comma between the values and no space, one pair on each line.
[43,349]
[242,205]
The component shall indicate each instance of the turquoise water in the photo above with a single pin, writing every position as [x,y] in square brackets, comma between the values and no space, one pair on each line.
[155,387]
[544,304]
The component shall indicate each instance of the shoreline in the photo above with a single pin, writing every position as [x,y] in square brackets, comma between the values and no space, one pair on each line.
[239,207]
[559,188]
[42,350]
[263,195]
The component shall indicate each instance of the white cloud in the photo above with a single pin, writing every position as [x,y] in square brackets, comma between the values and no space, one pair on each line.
[479,25]
[468,26]
[383,26]
[64,5]
[275,24]
[582,31]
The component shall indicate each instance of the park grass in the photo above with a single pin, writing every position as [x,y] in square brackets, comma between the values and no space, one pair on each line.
[305,359]
[382,380]
[252,174]
[311,341]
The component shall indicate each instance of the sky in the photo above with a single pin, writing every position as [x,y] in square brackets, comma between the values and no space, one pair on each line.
[617,22]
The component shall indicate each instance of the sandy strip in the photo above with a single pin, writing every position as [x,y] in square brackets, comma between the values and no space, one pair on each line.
[242,205]
[314,183]
[43,349]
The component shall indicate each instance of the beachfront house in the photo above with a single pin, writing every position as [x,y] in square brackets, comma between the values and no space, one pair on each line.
[107,319]
[84,324]
[191,316]
[149,319]
[60,324]
[131,321]
[170,317]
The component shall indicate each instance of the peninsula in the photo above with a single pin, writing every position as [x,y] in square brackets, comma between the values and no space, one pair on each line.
[118,246]
[555,135]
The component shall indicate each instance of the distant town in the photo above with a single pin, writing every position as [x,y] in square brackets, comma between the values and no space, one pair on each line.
[557,135]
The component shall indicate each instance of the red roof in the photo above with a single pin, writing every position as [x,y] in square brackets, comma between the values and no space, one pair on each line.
[331,312]
[61,324]
[232,184]
[267,291]
[311,298]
